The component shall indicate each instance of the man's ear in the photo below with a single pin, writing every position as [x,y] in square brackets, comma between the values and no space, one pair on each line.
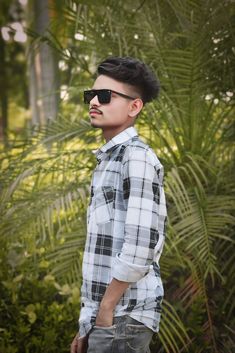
[135,107]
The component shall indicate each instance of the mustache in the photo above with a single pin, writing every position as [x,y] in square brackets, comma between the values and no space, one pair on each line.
[95,109]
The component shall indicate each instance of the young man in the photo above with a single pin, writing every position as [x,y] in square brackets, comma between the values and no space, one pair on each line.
[122,289]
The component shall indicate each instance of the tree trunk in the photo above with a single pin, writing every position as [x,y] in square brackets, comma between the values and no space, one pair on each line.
[3,93]
[43,69]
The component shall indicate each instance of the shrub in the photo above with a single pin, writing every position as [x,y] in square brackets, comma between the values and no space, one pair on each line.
[37,315]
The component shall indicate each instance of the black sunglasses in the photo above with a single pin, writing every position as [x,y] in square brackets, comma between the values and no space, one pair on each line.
[104,95]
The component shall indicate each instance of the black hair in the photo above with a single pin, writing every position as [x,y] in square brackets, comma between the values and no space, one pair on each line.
[132,72]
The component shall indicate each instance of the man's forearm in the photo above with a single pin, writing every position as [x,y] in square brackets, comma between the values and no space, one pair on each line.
[112,295]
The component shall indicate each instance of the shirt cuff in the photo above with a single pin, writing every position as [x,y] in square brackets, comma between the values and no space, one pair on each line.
[85,321]
[84,328]
[126,271]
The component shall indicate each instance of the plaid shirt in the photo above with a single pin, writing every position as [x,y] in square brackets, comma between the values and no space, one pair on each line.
[125,231]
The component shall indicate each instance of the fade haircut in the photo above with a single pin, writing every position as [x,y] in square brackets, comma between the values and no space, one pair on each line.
[132,72]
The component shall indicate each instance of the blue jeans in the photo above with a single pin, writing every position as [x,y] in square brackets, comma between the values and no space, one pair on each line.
[126,335]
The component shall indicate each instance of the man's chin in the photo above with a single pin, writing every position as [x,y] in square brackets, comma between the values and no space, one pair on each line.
[93,124]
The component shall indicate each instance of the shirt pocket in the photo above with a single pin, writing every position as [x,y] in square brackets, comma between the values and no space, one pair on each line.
[104,199]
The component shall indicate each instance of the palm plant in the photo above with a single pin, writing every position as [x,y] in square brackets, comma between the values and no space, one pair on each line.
[186,43]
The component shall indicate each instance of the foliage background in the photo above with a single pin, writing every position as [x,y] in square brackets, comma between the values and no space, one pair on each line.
[45,174]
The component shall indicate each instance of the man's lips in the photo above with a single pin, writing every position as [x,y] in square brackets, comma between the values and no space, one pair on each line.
[95,111]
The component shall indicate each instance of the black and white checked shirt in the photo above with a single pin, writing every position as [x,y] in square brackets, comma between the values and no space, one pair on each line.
[125,231]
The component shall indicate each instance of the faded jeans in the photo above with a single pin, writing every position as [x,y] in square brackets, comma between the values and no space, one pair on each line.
[126,335]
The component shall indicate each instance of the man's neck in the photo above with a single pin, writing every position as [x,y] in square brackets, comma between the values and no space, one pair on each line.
[110,133]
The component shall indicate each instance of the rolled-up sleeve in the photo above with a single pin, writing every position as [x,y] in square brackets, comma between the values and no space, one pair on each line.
[144,201]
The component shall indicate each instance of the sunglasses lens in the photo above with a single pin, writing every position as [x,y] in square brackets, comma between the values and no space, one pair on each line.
[104,96]
[88,96]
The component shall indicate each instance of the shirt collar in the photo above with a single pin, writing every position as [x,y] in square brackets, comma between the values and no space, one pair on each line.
[119,139]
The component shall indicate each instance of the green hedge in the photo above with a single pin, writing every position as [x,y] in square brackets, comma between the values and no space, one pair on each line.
[37,315]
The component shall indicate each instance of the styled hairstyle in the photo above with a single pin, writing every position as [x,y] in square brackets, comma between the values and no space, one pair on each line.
[132,72]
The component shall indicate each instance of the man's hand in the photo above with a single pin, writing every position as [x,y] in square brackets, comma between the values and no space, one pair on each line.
[104,317]
[79,344]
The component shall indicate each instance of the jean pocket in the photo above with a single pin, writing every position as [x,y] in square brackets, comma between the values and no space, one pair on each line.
[104,198]
[139,338]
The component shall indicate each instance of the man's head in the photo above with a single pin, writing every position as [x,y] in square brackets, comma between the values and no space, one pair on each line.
[122,87]
[133,73]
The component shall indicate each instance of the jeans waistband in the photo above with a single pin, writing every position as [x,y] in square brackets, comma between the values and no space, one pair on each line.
[127,319]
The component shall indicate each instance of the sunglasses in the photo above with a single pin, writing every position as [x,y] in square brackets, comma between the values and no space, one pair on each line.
[104,95]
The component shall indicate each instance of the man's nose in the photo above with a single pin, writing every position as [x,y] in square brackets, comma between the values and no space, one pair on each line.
[95,101]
